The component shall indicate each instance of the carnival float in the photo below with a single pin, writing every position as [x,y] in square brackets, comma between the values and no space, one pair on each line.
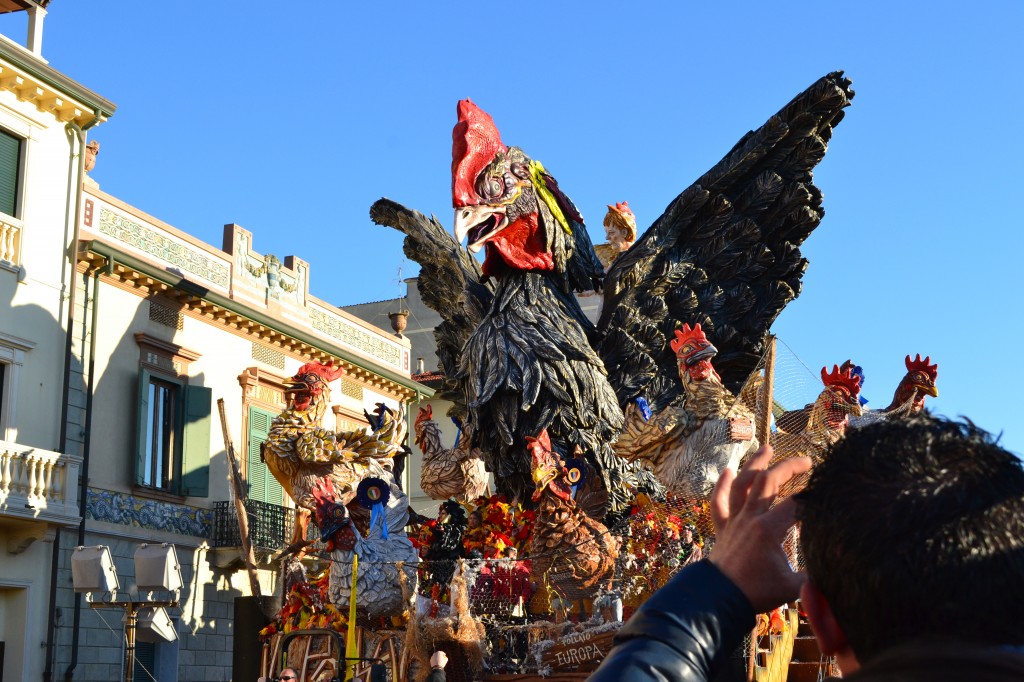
[602,440]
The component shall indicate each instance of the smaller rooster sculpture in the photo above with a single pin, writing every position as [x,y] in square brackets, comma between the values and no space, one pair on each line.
[811,430]
[457,472]
[691,440]
[299,451]
[916,385]
[571,552]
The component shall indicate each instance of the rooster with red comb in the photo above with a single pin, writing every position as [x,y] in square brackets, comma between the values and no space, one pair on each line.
[519,355]
[300,453]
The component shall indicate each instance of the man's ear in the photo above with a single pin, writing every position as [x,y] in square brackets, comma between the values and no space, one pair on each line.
[831,637]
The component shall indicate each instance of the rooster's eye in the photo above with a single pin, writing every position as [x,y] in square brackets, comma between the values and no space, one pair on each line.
[492,188]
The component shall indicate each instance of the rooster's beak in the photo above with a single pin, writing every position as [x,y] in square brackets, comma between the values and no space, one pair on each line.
[479,223]
[927,390]
[702,354]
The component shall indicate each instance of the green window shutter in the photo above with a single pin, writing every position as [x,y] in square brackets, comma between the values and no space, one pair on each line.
[195,464]
[142,443]
[10,161]
[262,484]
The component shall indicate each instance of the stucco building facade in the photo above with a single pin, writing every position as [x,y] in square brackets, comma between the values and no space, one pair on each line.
[118,335]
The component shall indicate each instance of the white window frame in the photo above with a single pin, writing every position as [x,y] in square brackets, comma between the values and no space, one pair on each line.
[13,350]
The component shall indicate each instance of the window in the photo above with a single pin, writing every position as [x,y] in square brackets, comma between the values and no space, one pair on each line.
[10,173]
[173,449]
[158,458]
[13,352]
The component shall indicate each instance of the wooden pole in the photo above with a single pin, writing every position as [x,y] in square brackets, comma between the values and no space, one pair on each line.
[764,424]
[764,430]
[238,485]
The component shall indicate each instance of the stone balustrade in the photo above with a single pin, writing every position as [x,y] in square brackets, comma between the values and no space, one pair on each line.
[38,484]
[10,243]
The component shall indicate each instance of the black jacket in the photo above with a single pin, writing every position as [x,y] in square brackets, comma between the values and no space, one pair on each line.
[683,633]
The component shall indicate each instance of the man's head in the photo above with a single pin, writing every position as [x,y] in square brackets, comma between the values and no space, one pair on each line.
[288,675]
[915,528]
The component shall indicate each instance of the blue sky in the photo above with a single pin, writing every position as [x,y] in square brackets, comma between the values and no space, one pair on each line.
[290,119]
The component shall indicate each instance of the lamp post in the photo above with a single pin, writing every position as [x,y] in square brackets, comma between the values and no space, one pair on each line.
[156,569]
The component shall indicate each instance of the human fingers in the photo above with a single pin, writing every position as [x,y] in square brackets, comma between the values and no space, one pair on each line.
[720,498]
[757,463]
[779,518]
[766,486]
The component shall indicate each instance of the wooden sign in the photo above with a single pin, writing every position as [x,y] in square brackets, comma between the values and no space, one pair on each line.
[579,651]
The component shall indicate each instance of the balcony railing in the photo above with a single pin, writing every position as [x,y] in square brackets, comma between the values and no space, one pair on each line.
[270,525]
[38,484]
[10,243]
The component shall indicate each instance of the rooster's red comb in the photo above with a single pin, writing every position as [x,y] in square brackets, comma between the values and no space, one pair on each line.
[475,143]
[841,377]
[327,372]
[541,443]
[687,334]
[917,364]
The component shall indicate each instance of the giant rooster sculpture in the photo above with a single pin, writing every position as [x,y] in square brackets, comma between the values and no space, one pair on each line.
[299,452]
[518,354]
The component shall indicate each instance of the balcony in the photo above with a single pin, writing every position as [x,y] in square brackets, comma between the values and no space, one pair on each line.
[270,529]
[10,245]
[37,488]
[270,525]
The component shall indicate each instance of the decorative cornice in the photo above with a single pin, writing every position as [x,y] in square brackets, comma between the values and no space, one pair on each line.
[31,80]
[203,304]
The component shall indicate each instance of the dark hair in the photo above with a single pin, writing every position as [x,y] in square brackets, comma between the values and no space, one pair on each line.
[916,527]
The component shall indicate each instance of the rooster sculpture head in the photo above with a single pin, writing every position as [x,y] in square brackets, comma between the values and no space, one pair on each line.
[504,201]
[310,383]
[842,395]
[693,354]
[547,468]
[917,383]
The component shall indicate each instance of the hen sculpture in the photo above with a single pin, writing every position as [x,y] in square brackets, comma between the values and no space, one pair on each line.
[519,355]
[570,551]
[383,550]
[299,451]
[706,429]
[457,472]
[812,430]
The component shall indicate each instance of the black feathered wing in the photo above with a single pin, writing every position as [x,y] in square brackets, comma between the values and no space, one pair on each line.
[449,282]
[724,254]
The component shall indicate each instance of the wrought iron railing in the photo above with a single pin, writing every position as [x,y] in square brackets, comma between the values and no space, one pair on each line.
[270,525]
